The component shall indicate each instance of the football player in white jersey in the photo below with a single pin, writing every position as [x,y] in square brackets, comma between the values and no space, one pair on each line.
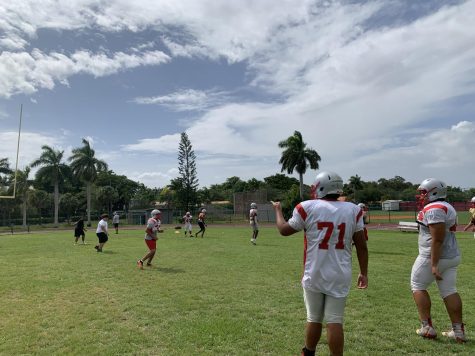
[330,226]
[438,259]
[187,220]
[254,222]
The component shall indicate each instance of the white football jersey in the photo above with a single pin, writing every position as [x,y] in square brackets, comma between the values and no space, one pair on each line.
[329,228]
[253,216]
[433,213]
[154,225]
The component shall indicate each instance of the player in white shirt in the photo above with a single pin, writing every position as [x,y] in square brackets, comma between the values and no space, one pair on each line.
[115,221]
[438,259]
[330,226]
[102,232]
[253,221]
[187,220]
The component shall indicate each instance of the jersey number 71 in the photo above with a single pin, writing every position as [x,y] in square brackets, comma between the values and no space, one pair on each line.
[329,227]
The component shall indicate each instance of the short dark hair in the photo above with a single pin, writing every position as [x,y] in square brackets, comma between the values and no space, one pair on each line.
[104,216]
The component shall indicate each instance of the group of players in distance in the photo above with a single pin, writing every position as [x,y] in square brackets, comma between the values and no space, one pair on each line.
[331,228]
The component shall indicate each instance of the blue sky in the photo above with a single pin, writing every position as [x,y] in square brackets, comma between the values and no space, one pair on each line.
[379,88]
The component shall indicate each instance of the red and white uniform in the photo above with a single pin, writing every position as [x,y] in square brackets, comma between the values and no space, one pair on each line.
[187,221]
[433,213]
[329,228]
[154,225]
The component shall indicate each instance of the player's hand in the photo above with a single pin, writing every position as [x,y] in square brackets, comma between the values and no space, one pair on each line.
[436,273]
[276,204]
[362,282]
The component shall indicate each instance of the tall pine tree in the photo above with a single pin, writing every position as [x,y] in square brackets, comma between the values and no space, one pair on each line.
[187,192]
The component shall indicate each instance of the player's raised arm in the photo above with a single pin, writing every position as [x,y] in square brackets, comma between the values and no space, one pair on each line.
[283,226]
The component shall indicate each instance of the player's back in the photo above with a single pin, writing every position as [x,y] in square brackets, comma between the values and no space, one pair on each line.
[329,229]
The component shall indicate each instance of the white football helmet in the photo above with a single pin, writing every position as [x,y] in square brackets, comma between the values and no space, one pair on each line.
[326,183]
[362,206]
[253,206]
[203,210]
[188,213]
[472,200]
[155,212]
[432,189]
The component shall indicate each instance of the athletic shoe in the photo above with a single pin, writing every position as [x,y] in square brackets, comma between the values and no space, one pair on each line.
[457,335]
[253,241]
[96,247]
[140,264]
[149,265]
[427,331]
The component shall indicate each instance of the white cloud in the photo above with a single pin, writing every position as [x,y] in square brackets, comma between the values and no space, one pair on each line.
[154,179]
[166,143]
[358,94]
[30,146]
[22,72]
[186,100]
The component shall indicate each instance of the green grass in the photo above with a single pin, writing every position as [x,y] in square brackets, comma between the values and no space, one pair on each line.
[217,295]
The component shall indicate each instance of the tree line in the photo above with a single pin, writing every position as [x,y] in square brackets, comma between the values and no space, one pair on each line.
[82,184]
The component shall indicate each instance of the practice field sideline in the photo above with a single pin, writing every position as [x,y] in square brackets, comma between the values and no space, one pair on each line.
[217,295]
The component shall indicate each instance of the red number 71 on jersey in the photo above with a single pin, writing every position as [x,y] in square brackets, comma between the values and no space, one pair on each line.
[328,225]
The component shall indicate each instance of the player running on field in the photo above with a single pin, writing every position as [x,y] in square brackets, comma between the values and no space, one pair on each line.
[79,231]
[102,232]
[329,227]
[153,227]
[201,223]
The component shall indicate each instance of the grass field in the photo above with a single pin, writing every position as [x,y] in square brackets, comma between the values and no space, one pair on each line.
[214,296]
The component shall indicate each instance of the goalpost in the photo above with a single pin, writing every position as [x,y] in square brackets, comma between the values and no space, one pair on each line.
[16,164]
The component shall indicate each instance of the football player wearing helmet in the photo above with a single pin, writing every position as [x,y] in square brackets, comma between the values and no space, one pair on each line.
[253,222]
[151,231]
[187,221]
[330,227]
[471,224]
[438,259]
[201,223]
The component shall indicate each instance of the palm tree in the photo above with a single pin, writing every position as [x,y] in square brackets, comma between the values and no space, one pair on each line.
[297,156]
[85,166]
[357,184]
[52,169]
[4,169]
[23,185]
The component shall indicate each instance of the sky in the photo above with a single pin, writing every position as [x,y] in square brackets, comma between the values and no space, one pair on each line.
[378,88]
